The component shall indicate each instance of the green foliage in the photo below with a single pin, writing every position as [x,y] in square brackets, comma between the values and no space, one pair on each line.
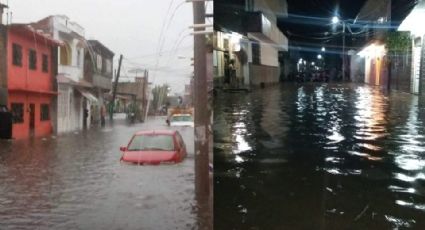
[398,41]
[159,95]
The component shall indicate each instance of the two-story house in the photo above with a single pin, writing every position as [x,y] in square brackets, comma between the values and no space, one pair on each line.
[247,42]
[74,99]
[373,64]
[98,65]
[31,65]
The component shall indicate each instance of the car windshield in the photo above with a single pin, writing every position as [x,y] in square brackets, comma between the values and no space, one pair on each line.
[181,118]
[152,142]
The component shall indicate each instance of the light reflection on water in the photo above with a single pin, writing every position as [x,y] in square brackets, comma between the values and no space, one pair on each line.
[299,142]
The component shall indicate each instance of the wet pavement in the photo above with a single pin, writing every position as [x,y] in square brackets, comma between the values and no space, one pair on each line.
[76,181]
[319,156]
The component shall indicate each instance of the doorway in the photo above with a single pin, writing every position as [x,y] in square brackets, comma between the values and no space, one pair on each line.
[32,119]
[85,113]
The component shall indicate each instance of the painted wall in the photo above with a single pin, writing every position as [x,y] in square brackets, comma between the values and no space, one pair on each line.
[42,128]
[21,77]
[22,81]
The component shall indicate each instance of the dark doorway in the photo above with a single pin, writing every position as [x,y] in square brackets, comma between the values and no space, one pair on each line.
[32,119]
[85,113]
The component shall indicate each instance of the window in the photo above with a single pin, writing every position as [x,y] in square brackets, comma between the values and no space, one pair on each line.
[152,142]
[32,59]
[17,112]
[104,65]
[17,55]
[45,65]
[44,116]
[255,53]
[108,66]
[78,58]
[226,44]
[99,62]
[65,54]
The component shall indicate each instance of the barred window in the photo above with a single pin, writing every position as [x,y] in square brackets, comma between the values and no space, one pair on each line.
[18,112]
[17,54]
[32,59]
[44,116]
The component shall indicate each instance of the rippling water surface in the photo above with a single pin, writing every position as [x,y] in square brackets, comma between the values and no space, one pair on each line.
[319,156]
[76,181]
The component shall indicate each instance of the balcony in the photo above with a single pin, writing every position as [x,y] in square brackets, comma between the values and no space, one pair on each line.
[73,72]
[102,81]
[259,27]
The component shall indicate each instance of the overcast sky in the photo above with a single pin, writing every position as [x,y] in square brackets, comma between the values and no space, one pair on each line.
[128,27]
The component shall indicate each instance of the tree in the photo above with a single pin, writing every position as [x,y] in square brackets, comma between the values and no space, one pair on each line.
[160,93]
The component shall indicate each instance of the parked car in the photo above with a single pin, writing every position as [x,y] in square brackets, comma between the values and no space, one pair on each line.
[154,147]
[181,120]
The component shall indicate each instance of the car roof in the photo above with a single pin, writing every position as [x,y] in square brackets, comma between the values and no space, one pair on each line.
[181,114]
[153,132]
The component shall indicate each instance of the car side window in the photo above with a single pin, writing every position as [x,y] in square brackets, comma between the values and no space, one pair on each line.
[180,140]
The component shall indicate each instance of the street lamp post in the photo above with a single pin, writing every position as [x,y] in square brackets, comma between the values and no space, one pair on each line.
[336,20]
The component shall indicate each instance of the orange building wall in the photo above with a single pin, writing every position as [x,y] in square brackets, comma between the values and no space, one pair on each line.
[21,77]
[30,86]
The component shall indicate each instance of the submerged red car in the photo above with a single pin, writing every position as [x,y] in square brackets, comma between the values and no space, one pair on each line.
[154,147]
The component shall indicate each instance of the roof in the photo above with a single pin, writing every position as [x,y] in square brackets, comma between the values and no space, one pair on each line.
[101,46]
[27,29]
[160,132]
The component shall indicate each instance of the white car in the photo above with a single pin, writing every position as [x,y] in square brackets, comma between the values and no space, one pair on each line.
[182,120]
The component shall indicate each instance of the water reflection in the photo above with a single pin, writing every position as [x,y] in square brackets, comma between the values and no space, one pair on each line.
[341,155]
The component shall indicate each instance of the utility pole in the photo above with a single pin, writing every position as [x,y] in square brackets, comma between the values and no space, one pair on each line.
[202,119]
[114,90]
[201,100]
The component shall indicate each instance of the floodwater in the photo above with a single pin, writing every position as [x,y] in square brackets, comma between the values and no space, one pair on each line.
[76,181]
[319,156]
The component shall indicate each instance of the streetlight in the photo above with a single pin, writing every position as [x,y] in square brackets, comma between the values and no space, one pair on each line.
[319,56]
[323,49]
[336,20]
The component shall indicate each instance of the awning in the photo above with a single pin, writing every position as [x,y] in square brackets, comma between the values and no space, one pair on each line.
[88,95]
[63,79]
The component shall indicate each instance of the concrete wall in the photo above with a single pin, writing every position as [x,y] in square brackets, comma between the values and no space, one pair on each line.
[271,8]
[3,65]
[268,55]
[263,74]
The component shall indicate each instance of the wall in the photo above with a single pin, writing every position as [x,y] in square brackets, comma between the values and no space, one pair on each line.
[21,77]
[269,55]
[271,8]
[357,69]
[263,74]
[3,65]
[42,128]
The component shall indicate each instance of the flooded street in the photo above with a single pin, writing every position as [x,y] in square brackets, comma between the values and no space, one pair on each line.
[76,181]
[319,156]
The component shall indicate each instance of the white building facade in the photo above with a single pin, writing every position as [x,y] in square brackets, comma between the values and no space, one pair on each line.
[74,100]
